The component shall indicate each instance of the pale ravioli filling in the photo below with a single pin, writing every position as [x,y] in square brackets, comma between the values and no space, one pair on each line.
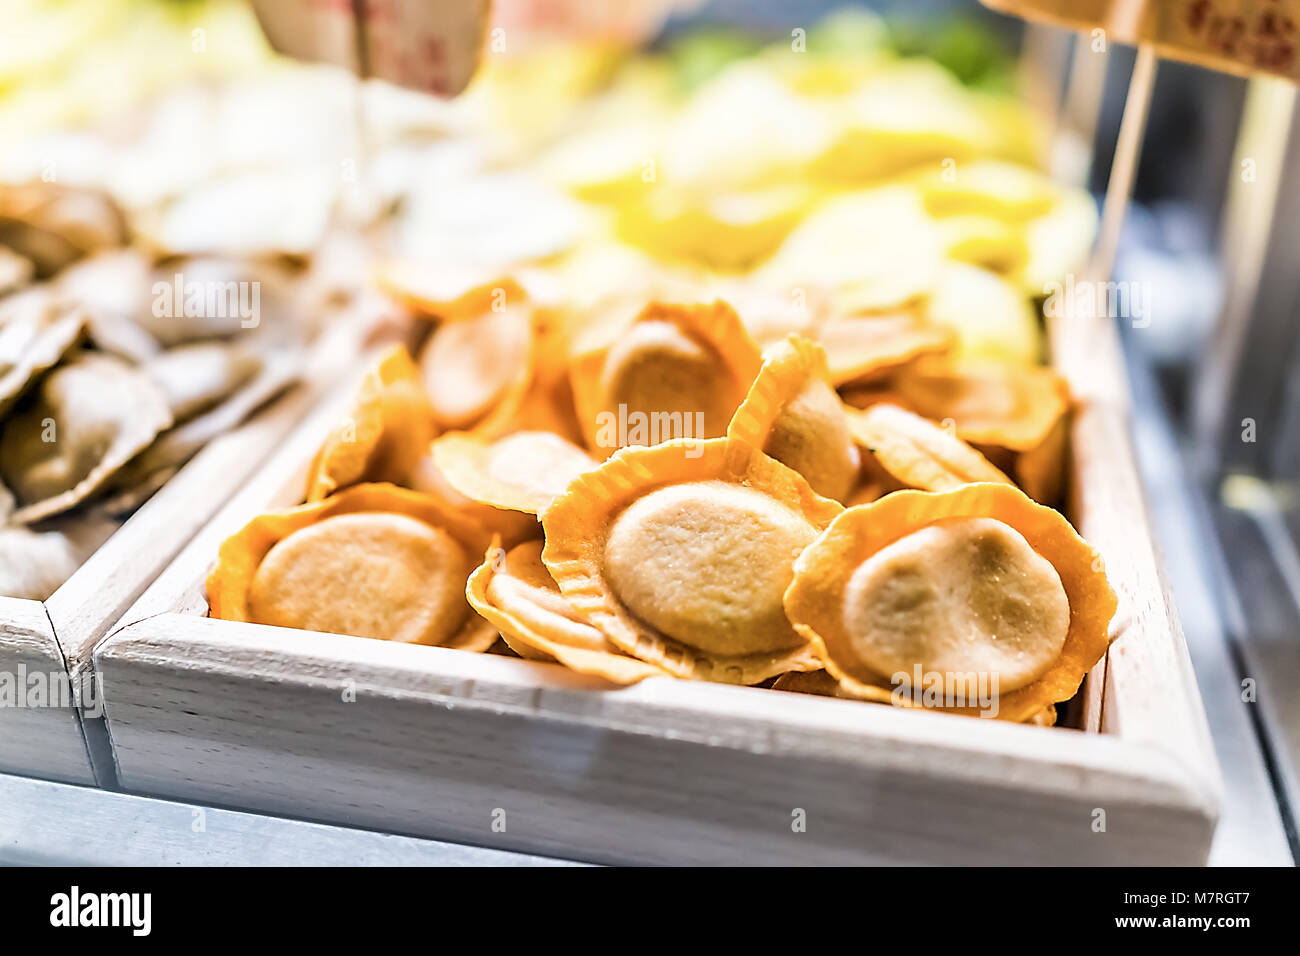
[706,564]
[468,367]
[525,590]
[667,385]
[369,574]
[961,596]
[811,435]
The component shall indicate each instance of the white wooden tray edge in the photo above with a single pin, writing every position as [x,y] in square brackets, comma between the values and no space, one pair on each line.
[38,735]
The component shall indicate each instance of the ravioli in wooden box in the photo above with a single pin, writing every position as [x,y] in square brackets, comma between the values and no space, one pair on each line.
[774,540]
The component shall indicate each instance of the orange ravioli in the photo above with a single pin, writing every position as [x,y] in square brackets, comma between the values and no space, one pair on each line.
[513,590]
[862,347]
[989,402]
[680,554]
[477,370]
[383,437]
[917,452]
[524,471]
[511,526]
[676,372]
[793,415]
[372,561]
[978,587]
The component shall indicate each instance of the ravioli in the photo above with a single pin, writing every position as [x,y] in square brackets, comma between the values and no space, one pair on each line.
[917,452]
[524,471]
[977,589]
[679,553]
[373,560]
[384,435]
[793,415]
[83,422]
[989,403]
[476,371]
[678,371]
[514,590]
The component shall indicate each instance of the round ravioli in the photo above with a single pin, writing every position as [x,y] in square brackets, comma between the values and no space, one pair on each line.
[524,471]
[680,554]
[511,526]
[514,590]
[961,594]
[384,435]
[793,415]
[477,370]
[83,422]
[917,452]
[978,596]
[373,561]
[675,372]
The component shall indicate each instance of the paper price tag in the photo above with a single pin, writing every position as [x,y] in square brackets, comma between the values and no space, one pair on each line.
[1236,36]
[1251,35]
[427,45]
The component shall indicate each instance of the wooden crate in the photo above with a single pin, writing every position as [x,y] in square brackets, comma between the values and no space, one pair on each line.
[501,752]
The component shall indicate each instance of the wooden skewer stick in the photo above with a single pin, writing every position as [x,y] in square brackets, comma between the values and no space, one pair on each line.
[1123,169]
[1100,348]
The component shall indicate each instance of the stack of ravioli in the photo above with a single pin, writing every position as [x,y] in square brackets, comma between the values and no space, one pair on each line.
[788,539]
[104,395]
[775,414]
